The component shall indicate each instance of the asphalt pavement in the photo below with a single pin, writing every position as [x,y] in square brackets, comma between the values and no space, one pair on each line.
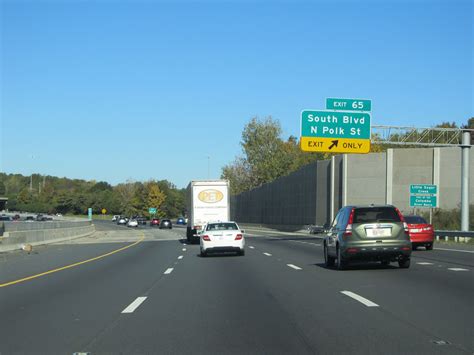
[146,291]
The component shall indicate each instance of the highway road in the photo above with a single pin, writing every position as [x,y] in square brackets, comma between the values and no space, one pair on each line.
[145,291]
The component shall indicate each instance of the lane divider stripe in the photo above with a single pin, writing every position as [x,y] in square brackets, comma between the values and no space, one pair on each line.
[457,269]
[134,305]
[180,257]
[294,267]
[168,271]
[267,254]
[361,299]
[71,265]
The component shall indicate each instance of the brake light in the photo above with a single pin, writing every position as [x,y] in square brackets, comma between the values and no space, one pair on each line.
[405,225]
[406,248]
[239,237]
[427,228]
[352,250]
[206,238]
[348,231]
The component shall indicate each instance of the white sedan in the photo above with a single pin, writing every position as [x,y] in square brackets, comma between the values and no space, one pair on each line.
[222,236]
[132,223]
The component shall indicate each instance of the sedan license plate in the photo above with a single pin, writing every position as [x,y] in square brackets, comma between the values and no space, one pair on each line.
[415,230]
[378,232]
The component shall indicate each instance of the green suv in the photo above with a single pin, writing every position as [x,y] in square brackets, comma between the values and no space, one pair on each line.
[370,233]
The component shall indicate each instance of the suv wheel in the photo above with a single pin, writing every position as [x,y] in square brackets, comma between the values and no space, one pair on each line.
[341,263]
[404,263]
[328,260]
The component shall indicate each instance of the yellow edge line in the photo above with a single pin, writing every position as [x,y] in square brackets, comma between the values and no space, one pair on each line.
[71,265]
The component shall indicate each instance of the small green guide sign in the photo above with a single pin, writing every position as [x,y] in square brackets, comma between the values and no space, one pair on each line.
[424,195]
[152,210]
[348,104]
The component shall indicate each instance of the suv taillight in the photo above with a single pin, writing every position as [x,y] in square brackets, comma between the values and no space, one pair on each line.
[239,237]
[348,231]
[206,238]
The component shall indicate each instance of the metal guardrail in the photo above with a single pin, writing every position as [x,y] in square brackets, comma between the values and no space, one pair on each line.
[441,233]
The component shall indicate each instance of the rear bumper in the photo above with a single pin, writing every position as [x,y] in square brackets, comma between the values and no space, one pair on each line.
[237,245]
[377,252]
[223,249]
[422,237]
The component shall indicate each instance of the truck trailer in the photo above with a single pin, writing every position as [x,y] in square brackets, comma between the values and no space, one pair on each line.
[207,201]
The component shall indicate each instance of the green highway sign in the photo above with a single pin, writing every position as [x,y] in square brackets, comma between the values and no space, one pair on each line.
[348,104]
[335,124]
[152,210]
[424,195]
[335,132]
[423,189]
[423,201]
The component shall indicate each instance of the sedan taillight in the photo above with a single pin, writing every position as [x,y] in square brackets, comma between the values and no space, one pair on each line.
[206,238]
[239,236]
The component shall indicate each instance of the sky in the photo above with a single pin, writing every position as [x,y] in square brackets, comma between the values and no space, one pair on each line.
[117,90]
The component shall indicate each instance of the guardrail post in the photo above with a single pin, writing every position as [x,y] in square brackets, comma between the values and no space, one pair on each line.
[465,147]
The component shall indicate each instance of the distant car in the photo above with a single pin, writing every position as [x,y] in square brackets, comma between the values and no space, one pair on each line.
[154,222]
[16,217]
[368,233]
[5,218]
[181,221]
[166,223]
[222,237]
[122,221]
[30,218]
[132,223]
[115,218]
[420,231]
[41,218]
[141,220]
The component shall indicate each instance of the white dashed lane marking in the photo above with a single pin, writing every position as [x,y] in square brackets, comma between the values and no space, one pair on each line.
[184,249]
[267,254]
[457,269]
[360,299]
[168,271]
[294,267]
[424,263]
[134,305]
[251,247]
[180,257]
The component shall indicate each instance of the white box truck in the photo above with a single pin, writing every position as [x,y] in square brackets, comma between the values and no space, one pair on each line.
[207,200]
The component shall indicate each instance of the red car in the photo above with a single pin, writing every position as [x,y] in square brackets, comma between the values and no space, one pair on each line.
[421,232]
[155,222]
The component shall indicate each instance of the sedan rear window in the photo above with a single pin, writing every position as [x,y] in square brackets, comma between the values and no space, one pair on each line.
[221,226]
[376,214]
[415,220]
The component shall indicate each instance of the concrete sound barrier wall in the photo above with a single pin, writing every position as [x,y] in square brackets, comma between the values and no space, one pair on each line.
[313,194]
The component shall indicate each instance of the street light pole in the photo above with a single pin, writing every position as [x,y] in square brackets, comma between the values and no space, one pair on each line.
[465,147]
[208,166]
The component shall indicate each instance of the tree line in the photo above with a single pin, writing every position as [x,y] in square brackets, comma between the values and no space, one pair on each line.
[49,194]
